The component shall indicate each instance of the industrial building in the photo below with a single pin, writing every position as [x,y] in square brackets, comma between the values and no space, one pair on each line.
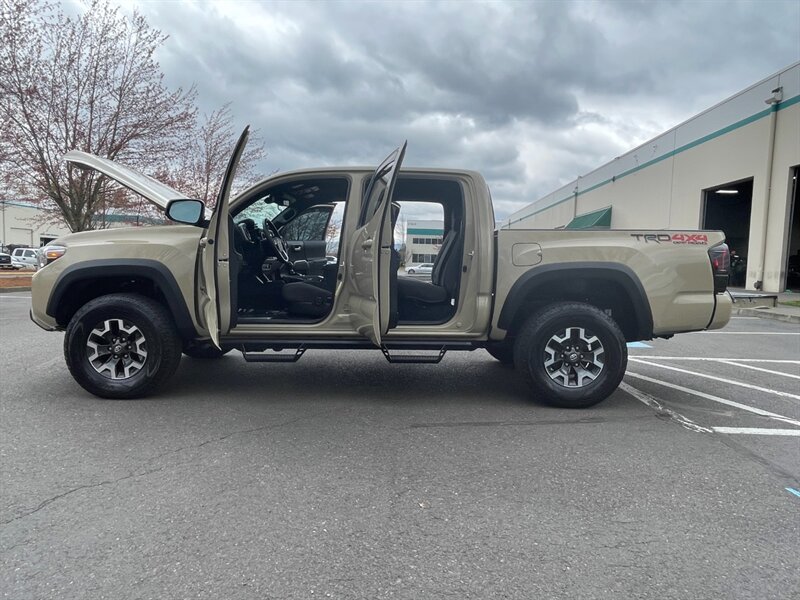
[24,224]
[423,240]
[733,167]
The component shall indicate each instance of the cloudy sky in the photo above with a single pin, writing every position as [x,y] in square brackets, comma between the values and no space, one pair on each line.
[531,94]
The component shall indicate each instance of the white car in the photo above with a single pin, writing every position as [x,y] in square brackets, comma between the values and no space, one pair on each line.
[421,269]
[25,257]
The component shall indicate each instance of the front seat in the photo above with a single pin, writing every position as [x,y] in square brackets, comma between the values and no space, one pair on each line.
[308,299]
[421,300]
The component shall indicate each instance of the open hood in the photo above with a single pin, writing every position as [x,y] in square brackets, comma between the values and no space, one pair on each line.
[155,191]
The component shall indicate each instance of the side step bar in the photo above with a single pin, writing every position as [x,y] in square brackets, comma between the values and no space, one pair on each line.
[274,356]
[290,351]
[414,358]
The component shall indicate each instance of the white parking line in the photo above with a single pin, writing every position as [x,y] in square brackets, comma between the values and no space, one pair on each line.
[740,364]
[737,360]
[9,297]
[680,388]
[745,332]
[757,431]
[653,403]
[720,379]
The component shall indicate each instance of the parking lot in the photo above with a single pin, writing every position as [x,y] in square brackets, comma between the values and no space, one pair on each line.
[344,476]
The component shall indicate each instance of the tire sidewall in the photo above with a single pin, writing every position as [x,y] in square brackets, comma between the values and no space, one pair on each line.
[85,321]
[614,361]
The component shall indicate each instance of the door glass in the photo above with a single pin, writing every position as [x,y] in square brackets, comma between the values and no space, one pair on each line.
[377,187]
[309,226]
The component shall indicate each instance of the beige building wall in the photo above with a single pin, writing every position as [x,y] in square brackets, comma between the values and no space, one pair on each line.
[22,225]
[661,184]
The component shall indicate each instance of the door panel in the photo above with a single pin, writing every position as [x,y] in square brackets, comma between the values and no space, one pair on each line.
[370,252]
[215,292]
[305,237]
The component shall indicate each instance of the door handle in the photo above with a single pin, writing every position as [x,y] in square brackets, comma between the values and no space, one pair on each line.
[296,248]
[366,244]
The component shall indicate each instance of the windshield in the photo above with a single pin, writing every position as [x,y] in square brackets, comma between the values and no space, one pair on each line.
[266,207]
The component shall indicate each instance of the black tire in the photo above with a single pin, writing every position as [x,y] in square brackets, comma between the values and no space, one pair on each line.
[161,345]
[204,350]
[502,351]
[411,271]
[542,334]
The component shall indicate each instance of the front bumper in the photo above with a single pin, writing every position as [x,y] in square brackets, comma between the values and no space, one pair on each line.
[43,325]
[41,287]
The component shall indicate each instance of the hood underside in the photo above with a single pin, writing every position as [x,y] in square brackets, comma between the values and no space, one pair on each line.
[151,189]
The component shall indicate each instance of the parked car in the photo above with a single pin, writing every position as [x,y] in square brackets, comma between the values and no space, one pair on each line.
[5,262]
[558,304]
[25,258]
[424,268]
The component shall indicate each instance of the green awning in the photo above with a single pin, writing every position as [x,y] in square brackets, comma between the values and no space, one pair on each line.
[596,218]
[417,231]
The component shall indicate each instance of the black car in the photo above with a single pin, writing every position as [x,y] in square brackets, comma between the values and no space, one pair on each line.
[5,261]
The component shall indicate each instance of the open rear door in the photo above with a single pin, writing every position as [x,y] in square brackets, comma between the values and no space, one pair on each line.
[214,293]
[370,250]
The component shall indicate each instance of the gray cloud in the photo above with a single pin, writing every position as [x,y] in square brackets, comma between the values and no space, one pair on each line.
[530,94]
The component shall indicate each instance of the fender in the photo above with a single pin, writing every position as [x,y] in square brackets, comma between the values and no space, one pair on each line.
[547,275]
[126,267]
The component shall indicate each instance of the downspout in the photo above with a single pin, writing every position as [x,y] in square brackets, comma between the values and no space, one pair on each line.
[575,192]
[3,241]
[773,101]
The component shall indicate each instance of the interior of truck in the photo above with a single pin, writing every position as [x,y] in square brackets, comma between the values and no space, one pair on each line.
[285,252]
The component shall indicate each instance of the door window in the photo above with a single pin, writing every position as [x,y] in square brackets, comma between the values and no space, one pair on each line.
[376,188]
[310,225]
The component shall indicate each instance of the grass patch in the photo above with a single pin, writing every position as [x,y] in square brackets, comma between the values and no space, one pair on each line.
[791,303]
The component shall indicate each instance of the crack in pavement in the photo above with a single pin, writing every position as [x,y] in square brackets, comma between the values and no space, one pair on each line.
[52,499]
[144,473]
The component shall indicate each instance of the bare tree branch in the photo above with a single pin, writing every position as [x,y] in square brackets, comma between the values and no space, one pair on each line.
[89,83]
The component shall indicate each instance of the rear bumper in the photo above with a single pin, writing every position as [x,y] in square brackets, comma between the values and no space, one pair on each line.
[722,311]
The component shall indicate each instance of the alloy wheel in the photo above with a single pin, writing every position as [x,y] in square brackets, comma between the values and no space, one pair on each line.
[574,357]
[116,349]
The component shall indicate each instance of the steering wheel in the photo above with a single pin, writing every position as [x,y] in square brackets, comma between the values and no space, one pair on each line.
[275,241]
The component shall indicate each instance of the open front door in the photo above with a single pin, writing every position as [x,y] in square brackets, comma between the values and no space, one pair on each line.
[214,293]
[370,251]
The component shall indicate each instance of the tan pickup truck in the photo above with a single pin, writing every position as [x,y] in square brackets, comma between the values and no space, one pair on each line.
[270,274]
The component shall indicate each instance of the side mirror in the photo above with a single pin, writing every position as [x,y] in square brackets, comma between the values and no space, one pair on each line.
[190,212]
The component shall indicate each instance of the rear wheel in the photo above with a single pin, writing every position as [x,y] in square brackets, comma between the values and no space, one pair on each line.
[573,354]
[121,346]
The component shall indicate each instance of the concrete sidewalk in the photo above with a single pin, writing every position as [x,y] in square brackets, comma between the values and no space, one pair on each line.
[749,303]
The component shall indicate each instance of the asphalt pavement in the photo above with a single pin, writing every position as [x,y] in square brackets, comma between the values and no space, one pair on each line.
[343,476]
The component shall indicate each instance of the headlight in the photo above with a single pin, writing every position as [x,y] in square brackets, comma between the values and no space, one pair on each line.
[50,253]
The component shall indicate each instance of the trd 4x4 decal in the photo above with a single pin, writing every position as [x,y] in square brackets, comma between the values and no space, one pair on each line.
[674,238]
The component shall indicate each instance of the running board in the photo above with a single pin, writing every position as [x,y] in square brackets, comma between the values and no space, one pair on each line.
[274,356]
[414,358]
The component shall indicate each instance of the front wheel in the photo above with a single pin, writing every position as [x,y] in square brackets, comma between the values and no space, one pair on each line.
[411,271]
[573,354]
[121,346]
